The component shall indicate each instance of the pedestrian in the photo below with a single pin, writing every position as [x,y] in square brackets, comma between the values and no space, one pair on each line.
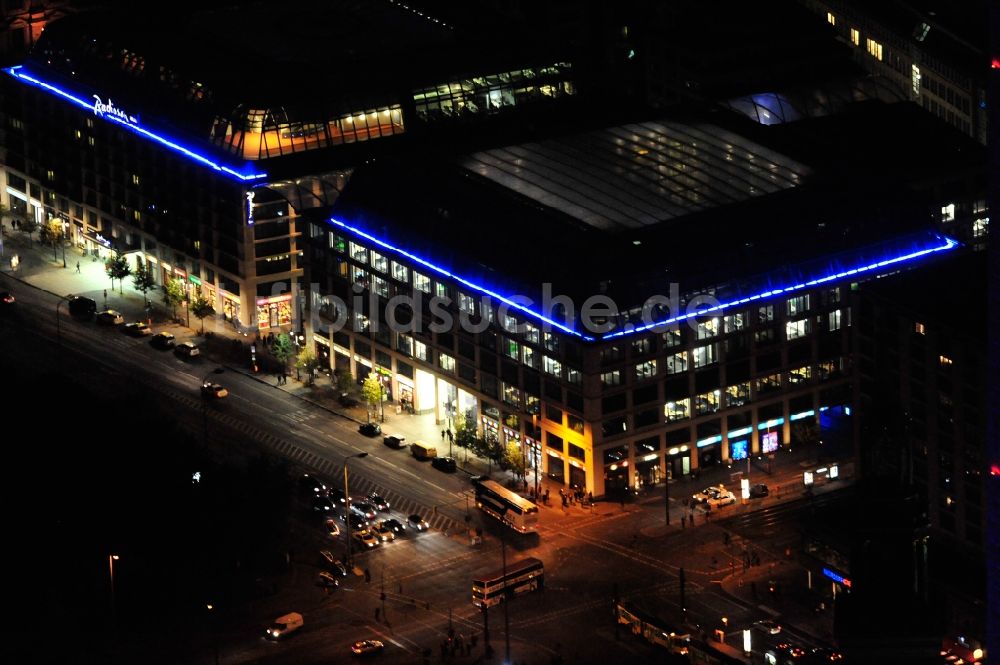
[546,496]
[590,498]
[368,576]
[442,436]
[78,266]
[450,435]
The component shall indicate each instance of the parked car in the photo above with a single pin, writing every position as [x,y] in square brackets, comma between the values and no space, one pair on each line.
[163,340]
[758,491]
[213,391]
[370,429]
[378,501]
[443,463]
[332,528]
[137,329]
[347,401]
[367,538]
[355,521]
[395,525]
[417,522]
[394,441]
[110,317]
[187,350]
[366,647]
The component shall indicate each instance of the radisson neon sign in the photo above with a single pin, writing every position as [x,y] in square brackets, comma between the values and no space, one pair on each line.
[101,109]
[108,111]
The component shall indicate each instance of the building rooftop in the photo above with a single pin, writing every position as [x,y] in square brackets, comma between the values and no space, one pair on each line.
[590,215]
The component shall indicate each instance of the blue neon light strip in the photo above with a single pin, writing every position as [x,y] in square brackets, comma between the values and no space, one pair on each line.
[176,147]
[839,579]
[461,280]
[946,244]
[740,432]
[800,416]
[773,422]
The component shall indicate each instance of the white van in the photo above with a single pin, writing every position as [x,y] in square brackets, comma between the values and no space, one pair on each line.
[421,450]
[284,625]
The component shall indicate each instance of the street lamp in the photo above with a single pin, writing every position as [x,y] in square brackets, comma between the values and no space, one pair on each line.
[111,568]
[347,507]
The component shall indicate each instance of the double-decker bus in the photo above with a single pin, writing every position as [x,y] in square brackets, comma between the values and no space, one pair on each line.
[510,508]
[520,577]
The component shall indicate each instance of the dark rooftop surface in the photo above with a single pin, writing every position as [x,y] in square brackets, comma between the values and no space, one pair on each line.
[512,234]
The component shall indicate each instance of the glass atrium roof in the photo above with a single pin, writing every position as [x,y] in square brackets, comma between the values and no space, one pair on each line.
[638,175]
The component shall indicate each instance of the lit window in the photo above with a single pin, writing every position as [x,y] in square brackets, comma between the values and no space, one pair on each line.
[765,313]
[359,253]
[466,303]
[833,320]
[915,79]
[337,243]
[948,213]
[738,395]
[136,215]
[446,362]
[945,360]
[421,282]
[400,272]
[531,333]
[197,245]
[551,366]
[797,305]
[379,262]
[831,19]
[380,286]
[919,328]
[672,337]
[574,376]
[855,37]
[874,49]
[768,383]
[441,290]
[645,370]
[509,323]
[708,402]
[678,410]
[733,322]
[677,363]
[510,394]
[800,375]
[531,359]
[511,349]
[704,355]
[708,329]
[135,179]
[796,329]
[641,347]
[551,342]
[420,350]
[980,227]
[612,378]
[78,134]
[50,175]
[90,141]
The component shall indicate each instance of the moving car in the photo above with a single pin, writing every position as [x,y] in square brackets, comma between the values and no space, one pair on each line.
[370,429]
[110,317]
[363,509]
[81,307]
[394,441]
[163,340]
[395,525]
[137,329]
[770,625]
[366,647]
[321,504]
[707,493]
[443,463]
[284,626]
[723,498]
[355,521]
[311,484]
[758,491]
[336,495]
[384,533]
[366,538]
[417,522]
[187,350]
[378,501]
[326,580]
[335,565]
[6,298]
[213,391]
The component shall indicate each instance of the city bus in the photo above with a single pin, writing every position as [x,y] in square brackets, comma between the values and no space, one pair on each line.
[509,507]
[519,577]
